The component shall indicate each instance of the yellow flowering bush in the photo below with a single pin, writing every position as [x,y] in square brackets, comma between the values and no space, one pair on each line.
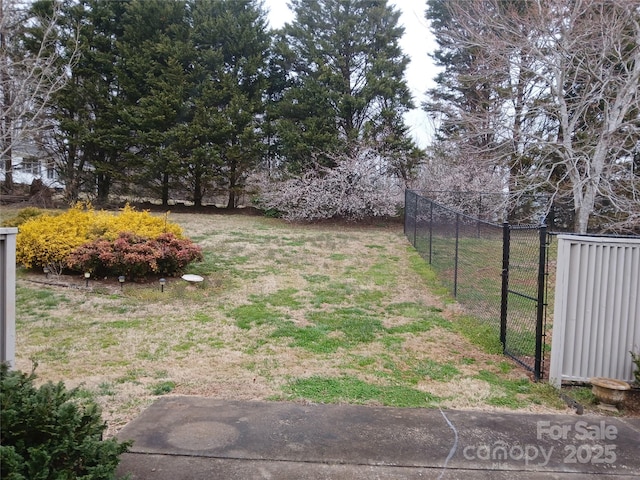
[48,240]
[142,223]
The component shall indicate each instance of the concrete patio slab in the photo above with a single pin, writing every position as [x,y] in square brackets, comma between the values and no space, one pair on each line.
[204,438]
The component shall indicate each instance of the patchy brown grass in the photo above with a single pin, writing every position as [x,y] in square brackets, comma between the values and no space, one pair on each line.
[119,344]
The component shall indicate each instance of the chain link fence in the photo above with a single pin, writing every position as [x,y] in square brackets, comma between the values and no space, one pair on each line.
[493,270]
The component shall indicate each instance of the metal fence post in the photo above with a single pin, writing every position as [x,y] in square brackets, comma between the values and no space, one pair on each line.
[415,219]
[430,232]
[541,305]
[455,269]
[406,196]
[504,303]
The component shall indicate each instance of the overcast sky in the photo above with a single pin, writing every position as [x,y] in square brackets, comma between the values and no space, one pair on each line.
[417,42]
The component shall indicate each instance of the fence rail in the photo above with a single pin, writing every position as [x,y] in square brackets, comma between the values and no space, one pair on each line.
[497,272]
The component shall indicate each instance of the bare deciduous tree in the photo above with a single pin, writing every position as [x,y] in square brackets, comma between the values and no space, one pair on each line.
[28,79]
[563,116]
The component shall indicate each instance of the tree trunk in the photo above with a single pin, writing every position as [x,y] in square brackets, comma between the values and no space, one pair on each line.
[165,189]
[71,177]
[232,200]
[8,171]
[197,189]
[104,186]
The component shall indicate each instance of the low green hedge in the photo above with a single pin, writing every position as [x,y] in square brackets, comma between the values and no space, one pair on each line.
[51,432]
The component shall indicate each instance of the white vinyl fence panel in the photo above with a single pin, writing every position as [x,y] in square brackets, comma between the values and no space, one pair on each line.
[597,308]
[8,294]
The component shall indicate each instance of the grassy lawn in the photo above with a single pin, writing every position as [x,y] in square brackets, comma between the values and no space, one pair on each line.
[321,313]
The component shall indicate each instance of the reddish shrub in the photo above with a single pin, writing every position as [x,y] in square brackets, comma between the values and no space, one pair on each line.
[134,256]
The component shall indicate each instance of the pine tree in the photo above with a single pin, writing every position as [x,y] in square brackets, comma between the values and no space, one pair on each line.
[231,44]
[346,78]
[153,75]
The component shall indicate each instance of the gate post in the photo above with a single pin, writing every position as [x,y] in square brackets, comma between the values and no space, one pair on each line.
[405,219]
[8,295]
[540,308]
[506,240]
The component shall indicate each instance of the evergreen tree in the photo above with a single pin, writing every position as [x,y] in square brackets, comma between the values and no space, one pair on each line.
[346,72]
[231,44]
[153,75]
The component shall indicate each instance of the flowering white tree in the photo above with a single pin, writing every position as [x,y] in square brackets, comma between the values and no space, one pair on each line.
[356,188]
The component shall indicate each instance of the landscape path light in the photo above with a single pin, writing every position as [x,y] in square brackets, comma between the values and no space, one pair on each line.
[87,276]
[162,282]
[121,280]
[46,271]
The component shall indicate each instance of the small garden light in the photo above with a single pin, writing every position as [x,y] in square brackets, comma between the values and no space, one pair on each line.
[162,282]
[46,271]
[121,280]
[87,276]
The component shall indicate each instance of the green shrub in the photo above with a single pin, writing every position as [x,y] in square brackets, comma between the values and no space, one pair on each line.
[51,432]
[134,256]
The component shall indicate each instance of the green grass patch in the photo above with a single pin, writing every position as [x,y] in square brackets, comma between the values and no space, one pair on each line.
[419,326]
[382,273]
[59,353]
[132,376]
[129,323]
[255,314]
[582,395]
[32,302]
[441,372]
[312,338]
[333,293]
[518,393]
[392,342]
[355,323]
[334,329]
[281,298]
[202,317]
[105,389]
[411,309]
[162,388]
[353,390]
[370,298]
[209,265]
[480,333]
[183,346]
[364,360]
[314,278]
[428,274]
